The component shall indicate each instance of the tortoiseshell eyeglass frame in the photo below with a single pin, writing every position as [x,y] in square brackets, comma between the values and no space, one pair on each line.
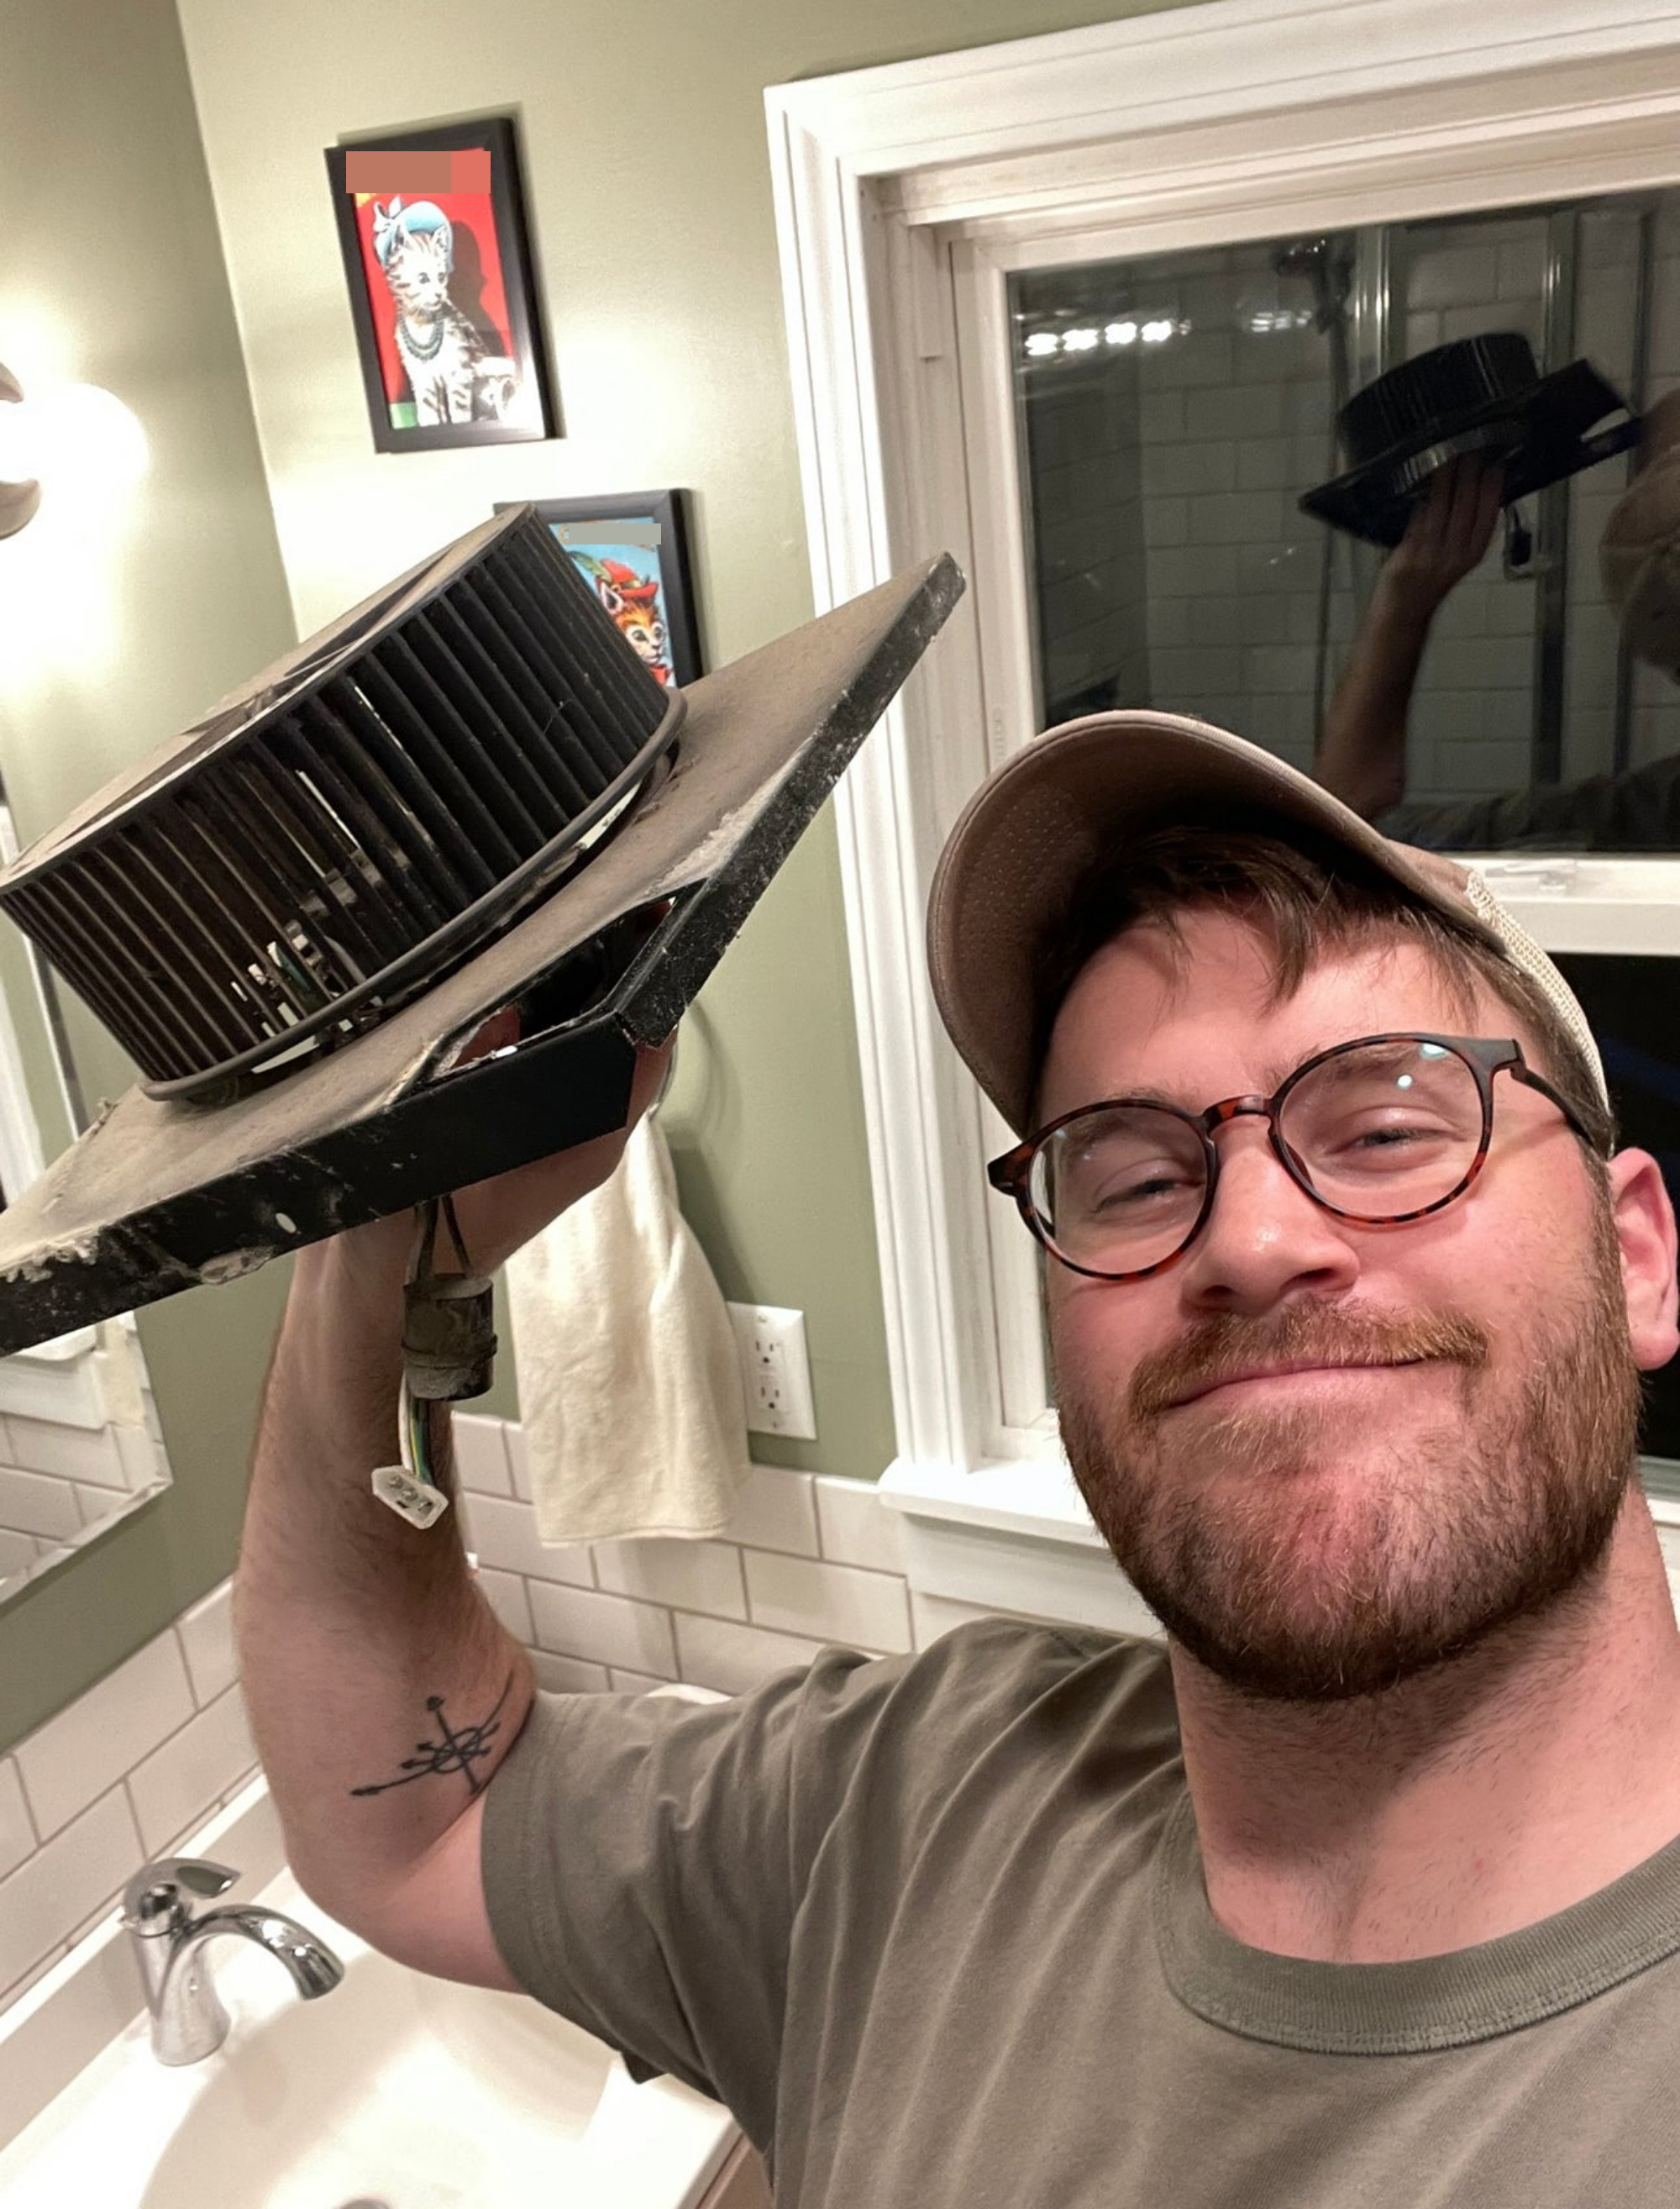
[1485,1056]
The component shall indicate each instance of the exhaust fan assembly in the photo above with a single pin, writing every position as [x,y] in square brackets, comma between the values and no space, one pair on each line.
[467,793]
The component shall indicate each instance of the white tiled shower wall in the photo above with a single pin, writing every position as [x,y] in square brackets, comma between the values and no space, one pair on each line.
[1087,533]
[1238,422]
[137,1763]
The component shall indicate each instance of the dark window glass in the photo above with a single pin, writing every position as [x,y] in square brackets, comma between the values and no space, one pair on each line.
[1631,1002]
[1174,408]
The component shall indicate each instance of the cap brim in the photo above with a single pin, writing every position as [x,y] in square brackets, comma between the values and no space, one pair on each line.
[1048,818]
[159,1196]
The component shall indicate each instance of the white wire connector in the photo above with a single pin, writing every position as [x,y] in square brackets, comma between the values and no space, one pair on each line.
[449,1353]
[408,1489]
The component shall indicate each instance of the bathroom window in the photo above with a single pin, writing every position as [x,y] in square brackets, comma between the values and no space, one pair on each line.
[1174,407]
[1164,412]
[1083,308]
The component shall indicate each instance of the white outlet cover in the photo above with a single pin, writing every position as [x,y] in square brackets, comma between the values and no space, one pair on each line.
[775,1371]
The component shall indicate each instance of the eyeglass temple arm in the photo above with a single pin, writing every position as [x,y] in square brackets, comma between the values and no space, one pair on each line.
[1519,1070]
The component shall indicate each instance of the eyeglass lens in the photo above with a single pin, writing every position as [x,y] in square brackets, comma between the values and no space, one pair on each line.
[1378,1133]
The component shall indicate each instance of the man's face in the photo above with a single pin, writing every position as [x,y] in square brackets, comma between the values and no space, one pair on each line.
[1330,1532]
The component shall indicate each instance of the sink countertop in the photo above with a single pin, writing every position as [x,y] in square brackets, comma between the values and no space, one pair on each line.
[395,2087]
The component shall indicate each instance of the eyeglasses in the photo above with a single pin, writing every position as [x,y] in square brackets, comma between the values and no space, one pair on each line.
[1382,1130]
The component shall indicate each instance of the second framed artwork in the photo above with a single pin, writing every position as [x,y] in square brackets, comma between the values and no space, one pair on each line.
[432,228]
[632,550]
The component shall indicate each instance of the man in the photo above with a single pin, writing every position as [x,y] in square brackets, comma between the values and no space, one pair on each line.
[1365,1888]
[1362,754]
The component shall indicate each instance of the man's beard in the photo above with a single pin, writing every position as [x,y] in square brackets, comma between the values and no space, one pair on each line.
[1291,1588]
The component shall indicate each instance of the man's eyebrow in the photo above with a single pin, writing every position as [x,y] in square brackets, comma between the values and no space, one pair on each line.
[1277,1072]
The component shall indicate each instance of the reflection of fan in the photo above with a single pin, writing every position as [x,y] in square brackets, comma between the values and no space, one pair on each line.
[468,794]
[336,835]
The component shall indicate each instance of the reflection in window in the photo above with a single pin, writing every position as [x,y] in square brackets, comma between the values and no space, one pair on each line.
[1175,409]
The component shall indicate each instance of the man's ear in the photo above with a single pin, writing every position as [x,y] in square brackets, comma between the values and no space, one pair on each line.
[1645,1229]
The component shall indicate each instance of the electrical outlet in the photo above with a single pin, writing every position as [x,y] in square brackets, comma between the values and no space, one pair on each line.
[775,1371]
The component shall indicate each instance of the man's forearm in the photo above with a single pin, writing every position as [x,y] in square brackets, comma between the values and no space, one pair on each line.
[1362,754]
[382,1690]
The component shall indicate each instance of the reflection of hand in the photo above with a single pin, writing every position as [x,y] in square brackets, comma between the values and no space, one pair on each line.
[1450,529]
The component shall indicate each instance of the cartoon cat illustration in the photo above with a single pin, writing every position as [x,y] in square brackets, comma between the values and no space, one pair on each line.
[634,604]
[452,376]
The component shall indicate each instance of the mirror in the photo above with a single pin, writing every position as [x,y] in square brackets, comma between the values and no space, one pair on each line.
[1175,407]
[79,1444]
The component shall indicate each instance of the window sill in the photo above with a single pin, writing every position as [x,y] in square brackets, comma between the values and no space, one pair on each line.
[1017,1537]
[1013,1536]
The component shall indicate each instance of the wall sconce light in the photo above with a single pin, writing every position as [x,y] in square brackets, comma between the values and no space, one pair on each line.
[76,444]
[18,500]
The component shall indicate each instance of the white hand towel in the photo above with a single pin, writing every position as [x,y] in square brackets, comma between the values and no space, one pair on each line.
[630,1388]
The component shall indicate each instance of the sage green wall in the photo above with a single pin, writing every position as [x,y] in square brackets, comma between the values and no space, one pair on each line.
[648,182]
[120,619]
[648,178]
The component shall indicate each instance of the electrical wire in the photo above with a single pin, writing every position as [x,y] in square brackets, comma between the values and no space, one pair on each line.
[414,1432]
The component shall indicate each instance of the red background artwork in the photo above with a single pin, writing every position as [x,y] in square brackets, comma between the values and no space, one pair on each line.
[476,286]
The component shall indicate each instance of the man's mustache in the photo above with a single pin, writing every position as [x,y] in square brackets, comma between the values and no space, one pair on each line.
[1226,1344]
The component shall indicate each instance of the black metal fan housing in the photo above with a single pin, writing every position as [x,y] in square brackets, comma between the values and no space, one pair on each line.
[338,834]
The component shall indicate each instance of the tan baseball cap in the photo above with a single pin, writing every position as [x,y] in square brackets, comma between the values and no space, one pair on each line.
[1047,816]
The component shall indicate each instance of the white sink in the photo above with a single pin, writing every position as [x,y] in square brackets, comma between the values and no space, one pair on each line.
[395,2089]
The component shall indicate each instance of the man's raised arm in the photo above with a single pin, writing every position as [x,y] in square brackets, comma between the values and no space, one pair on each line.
[383,1692]
[1362,753]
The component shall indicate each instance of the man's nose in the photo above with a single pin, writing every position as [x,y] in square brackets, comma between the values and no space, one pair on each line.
[1265,1236]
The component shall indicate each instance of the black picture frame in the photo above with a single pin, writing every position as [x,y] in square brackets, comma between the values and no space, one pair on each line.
[662,511]
[491,281]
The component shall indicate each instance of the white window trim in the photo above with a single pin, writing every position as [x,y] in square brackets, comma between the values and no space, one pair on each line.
[1207,124]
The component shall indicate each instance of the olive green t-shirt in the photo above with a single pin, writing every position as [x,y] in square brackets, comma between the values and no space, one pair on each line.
[934,1928]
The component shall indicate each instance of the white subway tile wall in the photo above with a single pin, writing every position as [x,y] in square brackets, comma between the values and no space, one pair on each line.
[90,1747]
[126,1772]
[717,1653]
[17,1832]
[832,1603]
[569,1676]
[206,1642]
[1087,536]
[194,1766]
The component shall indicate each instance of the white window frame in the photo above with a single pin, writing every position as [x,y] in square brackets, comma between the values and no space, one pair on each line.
[902,194]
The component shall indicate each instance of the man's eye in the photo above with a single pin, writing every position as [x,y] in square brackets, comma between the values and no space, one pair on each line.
[1137,1187]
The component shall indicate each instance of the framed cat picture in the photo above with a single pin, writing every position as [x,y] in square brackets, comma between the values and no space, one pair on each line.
[443,293]
[632,548]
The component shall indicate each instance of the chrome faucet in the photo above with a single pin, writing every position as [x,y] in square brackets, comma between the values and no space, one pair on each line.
[188,2022]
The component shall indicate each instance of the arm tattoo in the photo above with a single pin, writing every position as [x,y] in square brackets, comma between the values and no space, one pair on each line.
[459,1750]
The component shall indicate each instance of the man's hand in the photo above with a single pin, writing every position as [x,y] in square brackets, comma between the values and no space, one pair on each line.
[496,1216]
[1451,528]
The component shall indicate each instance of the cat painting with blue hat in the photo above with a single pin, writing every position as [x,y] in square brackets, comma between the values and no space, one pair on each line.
[453,375]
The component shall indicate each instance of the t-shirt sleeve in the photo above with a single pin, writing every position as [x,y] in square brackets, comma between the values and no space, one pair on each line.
[1637,810]
[645,1860]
